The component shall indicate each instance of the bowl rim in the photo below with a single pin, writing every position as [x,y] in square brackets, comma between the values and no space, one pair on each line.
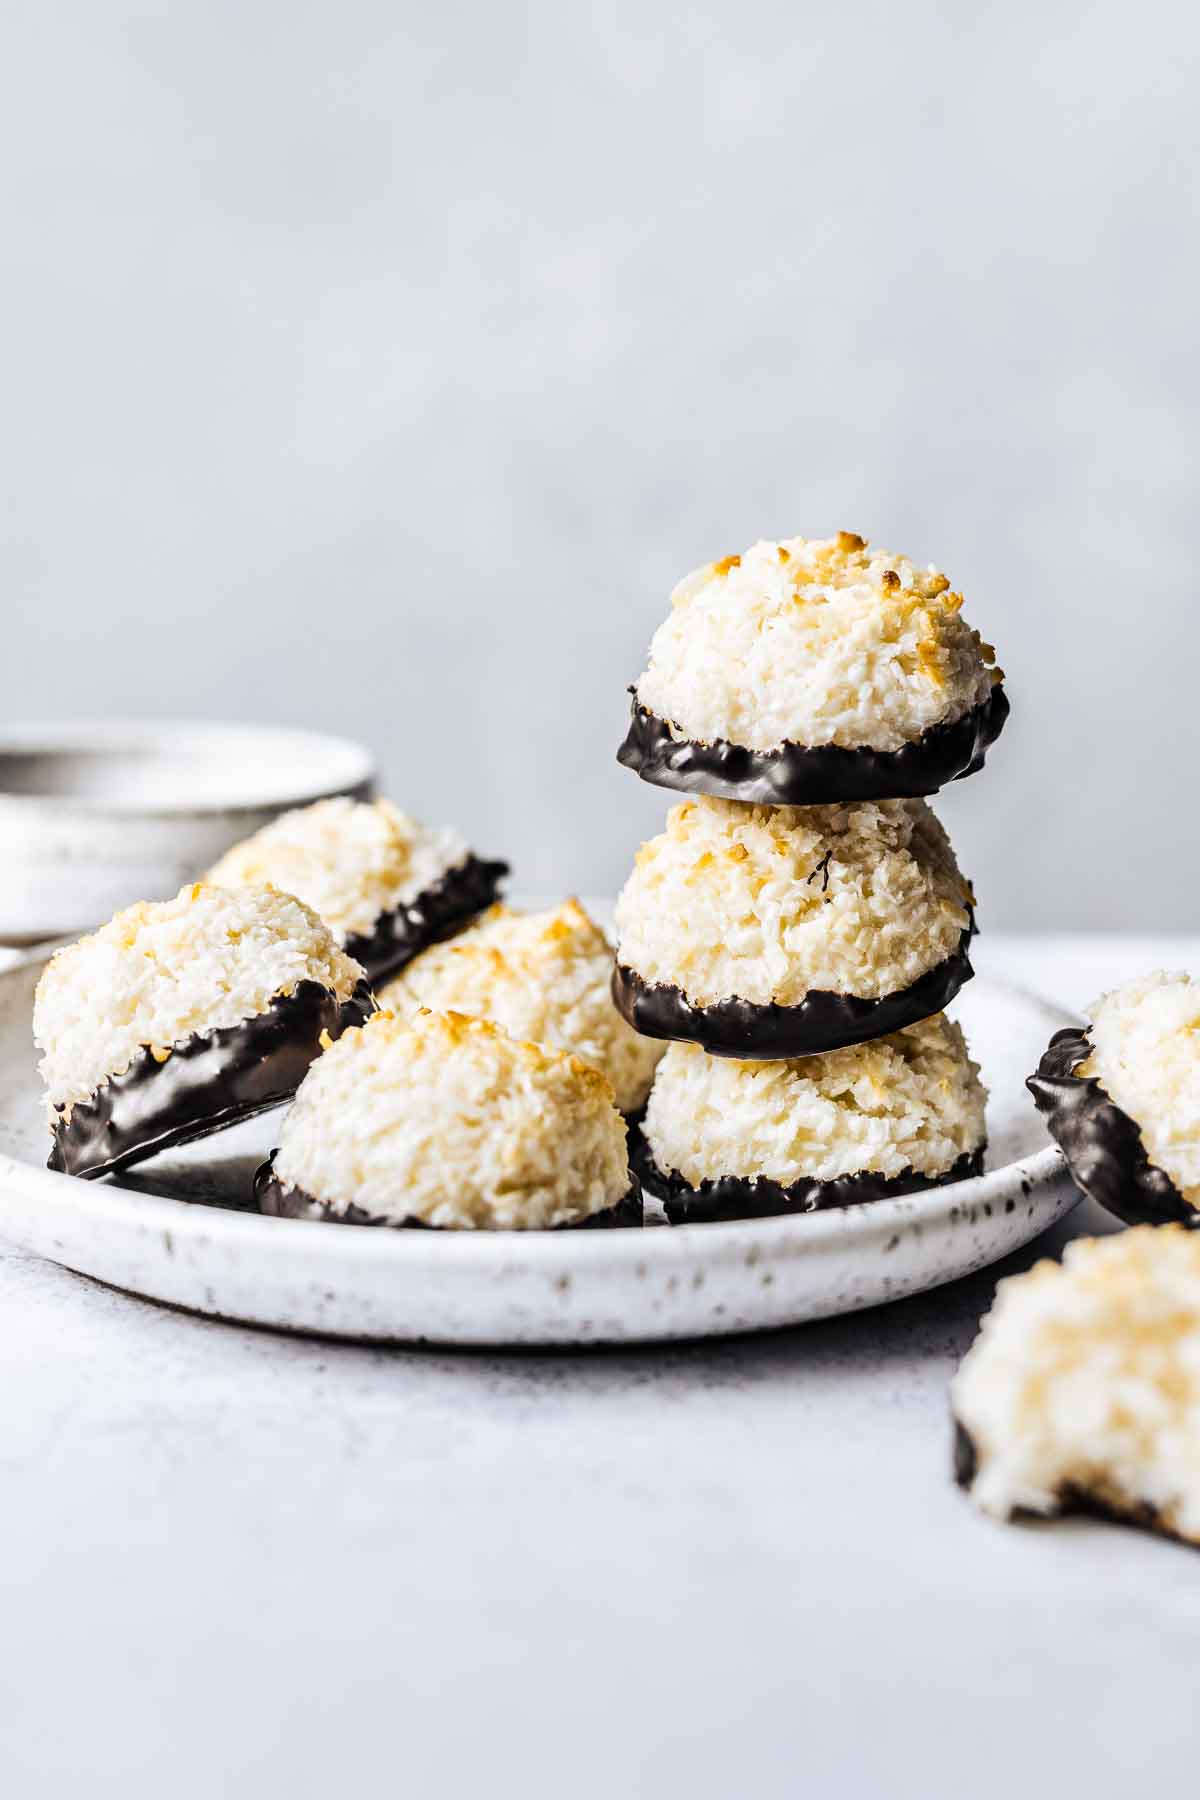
[350,766]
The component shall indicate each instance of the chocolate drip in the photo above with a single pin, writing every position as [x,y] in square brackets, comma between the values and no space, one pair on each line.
[1141,1514]
[1071,1499]
[822,1021]
[1102,1144]
[282,1202]
[459,896]
[211,1080]
[812,775]
[966,1459]
[733,1197]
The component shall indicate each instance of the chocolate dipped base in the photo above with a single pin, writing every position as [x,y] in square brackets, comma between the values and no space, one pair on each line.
[280,1202]
[822,1021]
[459,896]
[633,1130]
[1072,1500]
[1102,1144]
[811,775]
[735,1197]
[211,1080]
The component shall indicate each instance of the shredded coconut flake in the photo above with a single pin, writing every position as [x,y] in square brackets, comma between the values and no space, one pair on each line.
[1085,1380]
[1146,1056]
[815,641]
[449,1121]
[911,1101]
[157,973]
[545,977]
[770,903]
[351,861]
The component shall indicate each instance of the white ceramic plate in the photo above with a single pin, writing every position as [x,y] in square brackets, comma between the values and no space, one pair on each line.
[522,1288]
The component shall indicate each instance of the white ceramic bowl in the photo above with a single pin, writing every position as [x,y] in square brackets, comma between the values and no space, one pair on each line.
[96,816]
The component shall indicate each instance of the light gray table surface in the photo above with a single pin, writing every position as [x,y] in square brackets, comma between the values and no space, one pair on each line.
[234,1563]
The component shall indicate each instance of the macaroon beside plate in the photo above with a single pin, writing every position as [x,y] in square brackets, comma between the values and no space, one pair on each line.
[180,1230]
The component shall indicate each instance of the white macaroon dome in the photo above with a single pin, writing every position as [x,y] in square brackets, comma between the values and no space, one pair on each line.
[158,973]
[352,861]
[546,978]
[770,903]
[1083,1385]
[910,1103]
[815,641]
[447,1121]
[1145,1039]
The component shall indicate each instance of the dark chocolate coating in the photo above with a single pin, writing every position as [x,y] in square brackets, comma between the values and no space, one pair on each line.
[966,1460]
[211,1080]
[812,775]
[440,912]
[1071,1499]
[282,1202]
[822,1021]
[1102,1144]
[739,1197]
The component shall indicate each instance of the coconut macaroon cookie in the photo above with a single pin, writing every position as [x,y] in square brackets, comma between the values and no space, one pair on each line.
[1122,1097]
[733,1140]
[545,977]
[385,885]
[814,670]
[448,1122]
[1082,1390]
[786,931]
[176,1019]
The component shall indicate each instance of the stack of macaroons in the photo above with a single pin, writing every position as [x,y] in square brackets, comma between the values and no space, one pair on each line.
[814,670]
[803,913]
[801,918]
[1082,1391]
[545,977]
[179,1018]
[1122,1097]
[448,1122]
[386,886]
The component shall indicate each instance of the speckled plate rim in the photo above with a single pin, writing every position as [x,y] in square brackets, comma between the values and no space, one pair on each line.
[529,1288]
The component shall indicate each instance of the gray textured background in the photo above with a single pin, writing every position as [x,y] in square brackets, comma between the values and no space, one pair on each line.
[380,366]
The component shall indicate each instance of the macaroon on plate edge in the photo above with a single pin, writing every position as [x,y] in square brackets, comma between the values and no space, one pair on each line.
[523,1287]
